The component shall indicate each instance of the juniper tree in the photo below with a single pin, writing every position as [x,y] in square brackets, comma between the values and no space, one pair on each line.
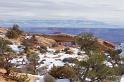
[95,68]
[88,42]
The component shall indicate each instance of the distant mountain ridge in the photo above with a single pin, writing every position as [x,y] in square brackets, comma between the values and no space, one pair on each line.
[109,32]
[57,23]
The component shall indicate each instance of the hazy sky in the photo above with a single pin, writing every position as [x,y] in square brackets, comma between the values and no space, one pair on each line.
[108,11]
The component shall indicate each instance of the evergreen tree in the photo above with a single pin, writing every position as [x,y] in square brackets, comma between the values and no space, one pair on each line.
[95,68]
[88,43]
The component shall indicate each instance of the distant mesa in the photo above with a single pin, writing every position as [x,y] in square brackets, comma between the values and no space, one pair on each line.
[56,32]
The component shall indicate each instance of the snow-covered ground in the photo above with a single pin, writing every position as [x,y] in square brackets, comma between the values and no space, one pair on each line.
[121,46]
[40,79]
[62,80]
[122,79]
[50,58]
[16,48]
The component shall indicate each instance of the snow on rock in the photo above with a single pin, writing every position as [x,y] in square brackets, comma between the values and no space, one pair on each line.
[28,37]
[88,79]
[15,48]
[14,61]
[50,58]
[122,79]
[41,79]
[68,56]
[108,64]
[19,60]
[62,80]
[49,49]
[50,55]
[49,61]
[121,46]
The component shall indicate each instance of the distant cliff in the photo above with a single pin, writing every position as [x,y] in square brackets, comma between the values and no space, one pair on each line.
[106,43]
[71,38]
[61,37]
[48,39]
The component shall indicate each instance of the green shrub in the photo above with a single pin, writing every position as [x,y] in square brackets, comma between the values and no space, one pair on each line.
[18,78]
[22,78]
[14,32]
[33,59]
[43,51]
[63,72]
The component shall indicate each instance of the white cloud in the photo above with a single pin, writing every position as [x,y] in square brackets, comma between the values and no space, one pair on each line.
[109,11]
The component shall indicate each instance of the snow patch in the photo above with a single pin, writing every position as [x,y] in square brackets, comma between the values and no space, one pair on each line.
[62,80]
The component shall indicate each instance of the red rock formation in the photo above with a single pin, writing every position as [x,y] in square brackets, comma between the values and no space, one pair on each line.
[106,43]
[61,37]
[71,38]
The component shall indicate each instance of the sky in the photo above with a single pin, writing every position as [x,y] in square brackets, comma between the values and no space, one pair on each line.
[107,11]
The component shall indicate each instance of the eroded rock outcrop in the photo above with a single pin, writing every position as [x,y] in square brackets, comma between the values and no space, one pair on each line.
[61,37]
[71,38]
[40,40]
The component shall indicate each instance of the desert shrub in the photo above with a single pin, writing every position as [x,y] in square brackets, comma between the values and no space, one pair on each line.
[43,47]
[3,45]
[33,59]
[14,32]
[43,51]
[63,72]
[69,52]
[49,78]
[23,78]
[6,57]
[28,69]
[26,42]
[11,34]
[57,51]
[66,49]
[18,78]
[70,60]
[8,42]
